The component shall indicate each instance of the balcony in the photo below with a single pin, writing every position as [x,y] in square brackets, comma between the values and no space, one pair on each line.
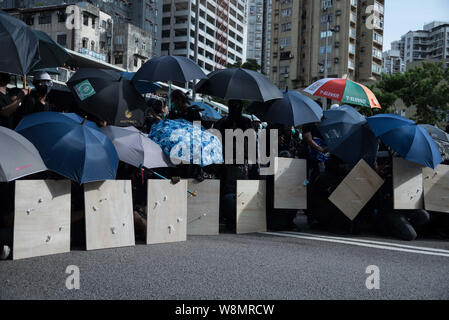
[351,64]
[353,33]
[379,7]
[354,3]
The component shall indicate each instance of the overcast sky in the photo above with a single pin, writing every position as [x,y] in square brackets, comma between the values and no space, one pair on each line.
[401,16]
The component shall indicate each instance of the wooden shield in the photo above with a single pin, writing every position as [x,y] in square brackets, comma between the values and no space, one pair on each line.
[109,214]
[167,211]
[290,183]
[407,185]
[41,218]
[203,209]
[251,206]
[436,188]
[356,189]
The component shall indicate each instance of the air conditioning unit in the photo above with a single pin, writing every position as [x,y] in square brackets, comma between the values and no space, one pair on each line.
[337,28]
[336,60]
[282,47]
[321,70]
[290,56]
[338,13]
[286,75]
[337,44]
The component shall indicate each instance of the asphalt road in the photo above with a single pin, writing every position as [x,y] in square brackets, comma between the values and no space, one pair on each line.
[255,266]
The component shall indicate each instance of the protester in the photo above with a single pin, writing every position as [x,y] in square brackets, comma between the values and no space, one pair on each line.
[181,108]
[157,111]
[230,173]
[37,100]
[8,106]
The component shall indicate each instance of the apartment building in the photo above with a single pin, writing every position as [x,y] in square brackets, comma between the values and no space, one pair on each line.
[93,34]
[392,62]
[334,38]
[145,14]
[210,32]
[255,32]
[431,43]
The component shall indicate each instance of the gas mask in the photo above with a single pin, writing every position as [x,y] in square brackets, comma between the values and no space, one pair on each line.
[43,87]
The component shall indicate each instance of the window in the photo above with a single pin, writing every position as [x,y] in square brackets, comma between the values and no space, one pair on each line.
[93,23]
[136,62]
[286,26]
[85,42]
[165,46]
[61,39]
[62,16]
[119,59]
[287,12]
[85,19]
[45,18]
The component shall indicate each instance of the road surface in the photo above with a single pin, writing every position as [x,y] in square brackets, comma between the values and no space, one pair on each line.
[255,266]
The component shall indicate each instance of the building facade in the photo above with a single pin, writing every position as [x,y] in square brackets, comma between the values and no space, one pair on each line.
[392,62]
[210,32]
[334,38]
[145,14]
[93,33]
[255,30]
[431,43]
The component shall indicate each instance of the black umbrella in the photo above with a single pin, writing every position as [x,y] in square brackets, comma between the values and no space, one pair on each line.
[52,53]
[169,68]
[239,84]
[294,109]
[108,96]
[19,46]
[348,135]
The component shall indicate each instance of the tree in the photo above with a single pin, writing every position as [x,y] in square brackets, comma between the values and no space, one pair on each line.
[426,87]
[250,64]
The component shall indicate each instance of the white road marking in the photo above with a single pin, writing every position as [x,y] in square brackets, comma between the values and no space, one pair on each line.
[364,243]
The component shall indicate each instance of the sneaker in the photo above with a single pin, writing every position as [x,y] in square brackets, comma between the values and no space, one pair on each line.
[5,252]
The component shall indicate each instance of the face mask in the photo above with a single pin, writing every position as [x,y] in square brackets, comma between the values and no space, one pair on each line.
[43,90]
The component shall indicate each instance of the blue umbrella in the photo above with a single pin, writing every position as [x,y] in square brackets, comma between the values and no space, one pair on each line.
[141,86]
[183,141]
[294,109]
[71,146]
[410,141]
[207,112]
[348,135]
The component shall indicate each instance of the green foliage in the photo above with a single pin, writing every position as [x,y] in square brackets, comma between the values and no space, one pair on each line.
[426,87]
[250,64]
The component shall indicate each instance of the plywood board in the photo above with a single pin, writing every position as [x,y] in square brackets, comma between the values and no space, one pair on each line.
[356,189]
[42,218]
[251,206]
[167,211]
[436,188]
[109,214]
[290,183]
[203,209]
[407,185]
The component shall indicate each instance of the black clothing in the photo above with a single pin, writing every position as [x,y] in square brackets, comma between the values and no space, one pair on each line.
[190,114]
[5,101]
[313,129]
[31,104]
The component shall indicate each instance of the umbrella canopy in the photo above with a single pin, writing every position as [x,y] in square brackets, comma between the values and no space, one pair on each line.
[239,84]
[141,86]
[169,68]
[52,54]
[345,91]
[108,96]
[135,148]
[207,112]
[20,46]
[71,146]
[441,138]
[182,140]
[294,109]
[410,141]
[348,135]
[21,158]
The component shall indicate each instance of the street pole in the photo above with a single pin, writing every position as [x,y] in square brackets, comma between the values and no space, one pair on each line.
[325,59]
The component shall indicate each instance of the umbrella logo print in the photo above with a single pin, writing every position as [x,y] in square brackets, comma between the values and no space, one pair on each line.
[84,90]
[128,114]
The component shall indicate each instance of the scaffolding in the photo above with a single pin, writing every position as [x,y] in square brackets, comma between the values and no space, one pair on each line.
[221,45]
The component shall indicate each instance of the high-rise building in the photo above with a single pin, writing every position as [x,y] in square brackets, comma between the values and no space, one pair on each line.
[431,43]
[266,40]
[210,32]
[255,30]
[392,62]
[145,14]
[335,38]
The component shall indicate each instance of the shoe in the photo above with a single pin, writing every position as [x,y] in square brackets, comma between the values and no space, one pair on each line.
[5,252]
